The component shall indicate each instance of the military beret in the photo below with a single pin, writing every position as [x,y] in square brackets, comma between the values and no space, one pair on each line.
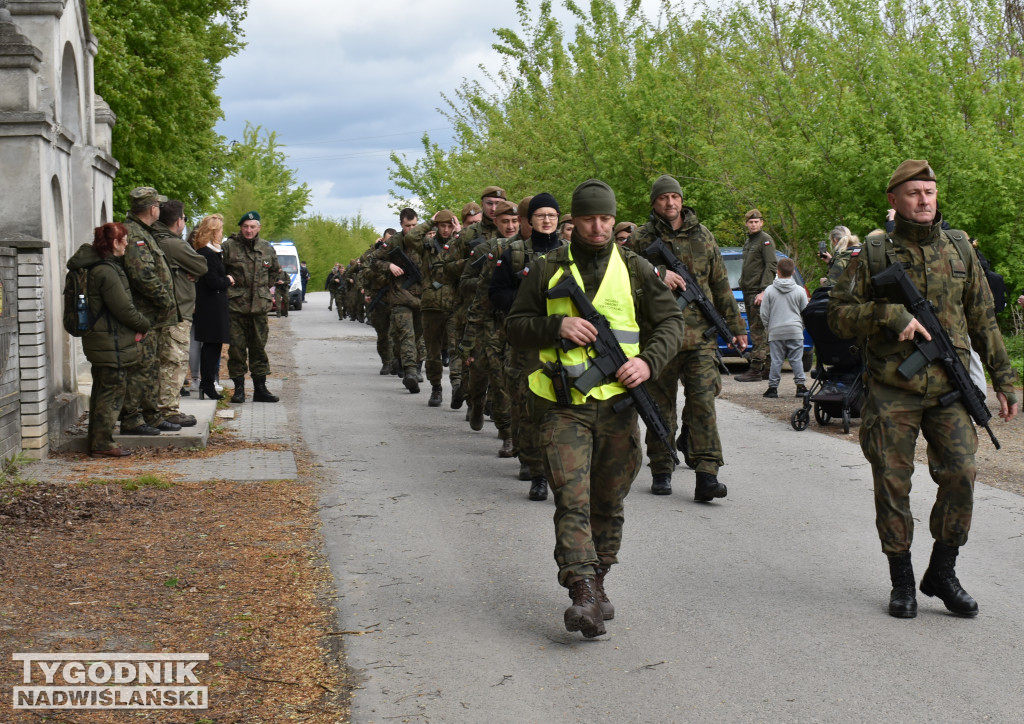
[565,218]
[469,209]
[505,207]
[251,216]
[444,216]
[665,185]
[625,226]
[542,201]
[752,214]
[145,196]
[524,207]
[493,192]
[592,198]
[910,170]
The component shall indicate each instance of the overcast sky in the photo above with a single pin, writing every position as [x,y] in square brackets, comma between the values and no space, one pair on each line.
[344,83]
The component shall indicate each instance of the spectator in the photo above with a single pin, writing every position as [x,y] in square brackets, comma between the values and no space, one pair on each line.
[845,249]
[212,322]
[111,346]
[783,301]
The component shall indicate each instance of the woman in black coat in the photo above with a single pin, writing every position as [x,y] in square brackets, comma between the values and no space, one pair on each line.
[211,323]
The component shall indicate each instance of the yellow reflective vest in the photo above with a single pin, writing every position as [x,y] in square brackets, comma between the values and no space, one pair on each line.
[614,300]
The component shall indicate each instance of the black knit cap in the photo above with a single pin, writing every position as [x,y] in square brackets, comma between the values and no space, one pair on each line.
[542,201]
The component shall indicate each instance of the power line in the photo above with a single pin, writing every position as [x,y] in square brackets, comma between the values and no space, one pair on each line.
[365,138]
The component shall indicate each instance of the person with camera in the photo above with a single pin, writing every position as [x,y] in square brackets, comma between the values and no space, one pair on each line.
[845,246]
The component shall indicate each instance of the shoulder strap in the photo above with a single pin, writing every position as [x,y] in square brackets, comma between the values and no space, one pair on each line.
[880,252]
[963,246]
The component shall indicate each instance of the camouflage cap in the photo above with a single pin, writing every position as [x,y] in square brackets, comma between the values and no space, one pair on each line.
[495,192]
[470,209]
[752,214]
[505,207]
[251,216]
[145,196]
[444,216]
[910,170]
[524,207]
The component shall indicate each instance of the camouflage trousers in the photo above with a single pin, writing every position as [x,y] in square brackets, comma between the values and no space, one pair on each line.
[281,301]
[105,403]
[339,300]
[332,295]
[888,436]
[141,390]
[591,457]
[174,343]
[407,329]
[698,371]
[438,331]
[380,318]
[525,433]
[355,306]
[249,333]
[760,354]
[487,377]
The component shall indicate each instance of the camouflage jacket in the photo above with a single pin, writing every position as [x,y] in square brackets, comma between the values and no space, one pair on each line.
[254,267]
[759,263]
[956,288]
[480,309]
[438,259]
[694,245]
[186,264]
[149,276]
[398,291]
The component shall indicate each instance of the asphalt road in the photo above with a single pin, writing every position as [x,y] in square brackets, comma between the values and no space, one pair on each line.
[768,606]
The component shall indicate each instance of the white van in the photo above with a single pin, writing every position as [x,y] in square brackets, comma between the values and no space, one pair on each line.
[288,258]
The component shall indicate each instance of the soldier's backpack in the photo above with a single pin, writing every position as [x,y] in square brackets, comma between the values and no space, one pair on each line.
[78,319]
[881,254]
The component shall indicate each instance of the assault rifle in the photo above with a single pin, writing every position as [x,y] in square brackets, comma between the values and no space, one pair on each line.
[659,250]
[938,348]
[411,275]
[610,358]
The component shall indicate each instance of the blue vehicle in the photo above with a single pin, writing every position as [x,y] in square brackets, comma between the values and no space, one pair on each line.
[733,257]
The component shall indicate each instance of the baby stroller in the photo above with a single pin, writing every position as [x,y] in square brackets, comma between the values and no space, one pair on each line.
[838,388]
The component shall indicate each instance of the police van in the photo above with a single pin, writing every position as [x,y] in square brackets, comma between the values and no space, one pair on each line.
[288,258]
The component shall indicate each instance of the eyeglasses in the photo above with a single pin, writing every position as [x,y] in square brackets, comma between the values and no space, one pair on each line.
[546,217]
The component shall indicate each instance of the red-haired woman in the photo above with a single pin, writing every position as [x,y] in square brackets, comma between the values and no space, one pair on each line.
[116,327]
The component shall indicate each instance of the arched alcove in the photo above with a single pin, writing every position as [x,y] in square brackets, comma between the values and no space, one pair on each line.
[70,94]
[103,214]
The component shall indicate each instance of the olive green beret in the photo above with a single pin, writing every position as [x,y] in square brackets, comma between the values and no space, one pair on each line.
[524,207]
[910,170]
[565,217]
[593,198]
[625,226]
[665,185]
[505,207]
[251,216]
[493,192]
[145,196]
[469,209]
[444,216]
[752,214]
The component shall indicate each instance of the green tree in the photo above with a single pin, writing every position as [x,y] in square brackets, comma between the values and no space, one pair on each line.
[257,177]
[158,66]
[323,241]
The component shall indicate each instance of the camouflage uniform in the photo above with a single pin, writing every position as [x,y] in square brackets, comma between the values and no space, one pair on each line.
[438,304]
[153,295]
[591,453]
[380,316]
[254,266]
[759,264]
[334,281]
[406,322]
[696,366]
[186,266]
[896,408]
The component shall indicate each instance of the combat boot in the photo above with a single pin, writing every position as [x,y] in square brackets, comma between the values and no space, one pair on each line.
[260,392]
[584,615]
[539,488]
[708,488]
[239,394]
[751,375]
[476,417]
[607,609]
[385,368]
[410,381]
[508,449]
[940,580]
[458,397]
[771,393]
[435,396]
[661,484]
[902,602]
